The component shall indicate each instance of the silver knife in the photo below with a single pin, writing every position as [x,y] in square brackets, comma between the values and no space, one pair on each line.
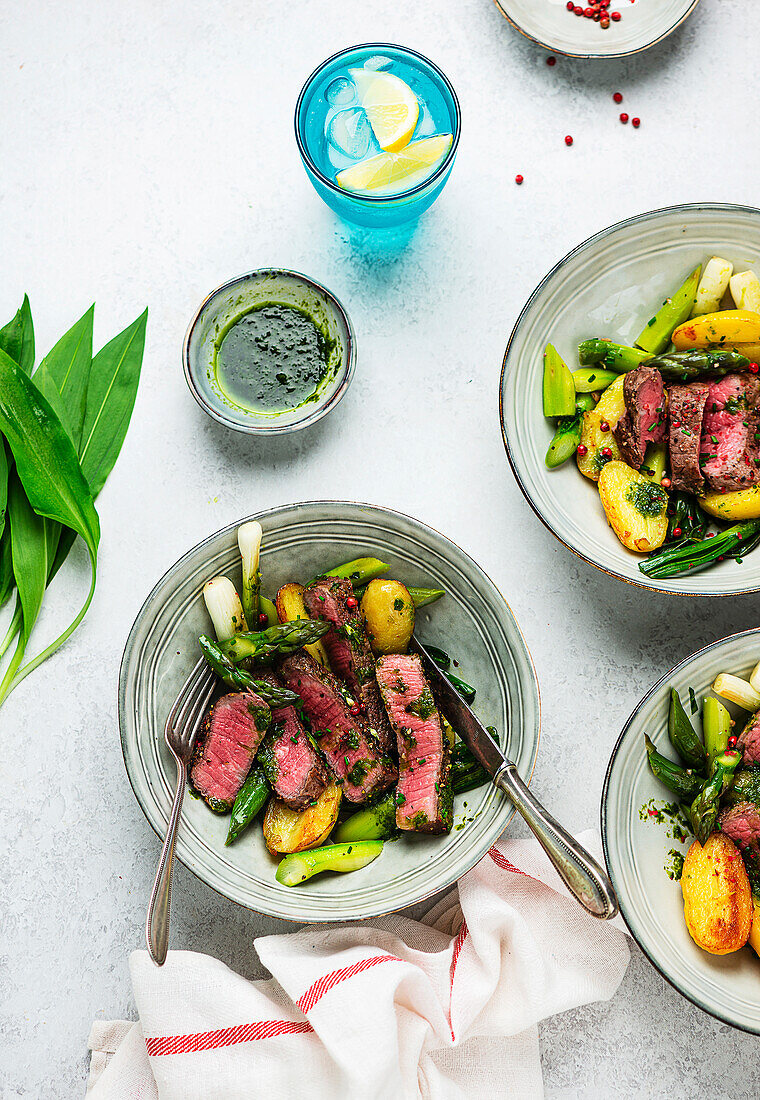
[579,871]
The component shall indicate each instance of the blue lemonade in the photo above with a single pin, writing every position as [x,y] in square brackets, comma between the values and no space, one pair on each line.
[378,127]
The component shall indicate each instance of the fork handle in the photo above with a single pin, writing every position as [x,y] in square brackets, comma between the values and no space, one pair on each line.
[159,907]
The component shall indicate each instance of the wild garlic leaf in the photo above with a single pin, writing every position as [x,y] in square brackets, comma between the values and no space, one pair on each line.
[111,394]
[64,373]
[17,337]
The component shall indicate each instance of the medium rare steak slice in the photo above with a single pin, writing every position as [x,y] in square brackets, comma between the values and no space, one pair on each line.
[686,407]
[742,824]
[343,737]
[332,600]
[643,421]
[748,742]
[293,766]
[229,739]
[424,802]
[729,449]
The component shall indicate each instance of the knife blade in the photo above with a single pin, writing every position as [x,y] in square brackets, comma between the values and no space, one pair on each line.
[586,880]
[466,723]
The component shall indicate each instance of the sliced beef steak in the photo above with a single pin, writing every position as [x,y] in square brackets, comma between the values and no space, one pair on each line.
[643,421]
[424,798]
[332,599]
[229,739]
[748,742]
[293,766]
[742,824]
[344,737]
[686,407]
[729,449]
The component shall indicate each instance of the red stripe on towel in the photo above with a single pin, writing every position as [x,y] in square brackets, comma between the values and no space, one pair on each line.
[226,1037]
[502,861]
[323,985]
[458,942]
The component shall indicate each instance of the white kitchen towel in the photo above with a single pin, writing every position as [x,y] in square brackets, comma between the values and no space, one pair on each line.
[444,1009]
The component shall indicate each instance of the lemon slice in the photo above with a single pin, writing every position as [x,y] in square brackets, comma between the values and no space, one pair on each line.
[395,172]
[390,104]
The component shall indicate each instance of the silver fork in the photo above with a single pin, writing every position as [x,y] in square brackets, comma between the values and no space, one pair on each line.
[180,732]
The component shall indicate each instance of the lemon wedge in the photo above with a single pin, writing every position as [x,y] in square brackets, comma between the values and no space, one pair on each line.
[395,172]
[390,105]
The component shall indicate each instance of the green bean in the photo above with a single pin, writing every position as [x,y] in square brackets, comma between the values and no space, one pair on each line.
[423,596]
[688,557]
[249,802]
[680,781]
[683,736]
[360,571]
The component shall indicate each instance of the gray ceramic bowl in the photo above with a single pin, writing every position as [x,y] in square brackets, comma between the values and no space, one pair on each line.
[636,850]
[643,24]
[472,621]
[608,286]
[235,297]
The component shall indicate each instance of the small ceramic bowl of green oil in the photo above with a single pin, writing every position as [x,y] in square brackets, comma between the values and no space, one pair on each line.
[269,352]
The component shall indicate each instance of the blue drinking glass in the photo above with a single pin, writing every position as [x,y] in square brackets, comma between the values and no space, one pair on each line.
[327,93]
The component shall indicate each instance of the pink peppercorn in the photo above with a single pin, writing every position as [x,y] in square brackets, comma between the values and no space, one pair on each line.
[636,122]
[568,140]
[618,97]
[624,118]
[518,179]
[615,16]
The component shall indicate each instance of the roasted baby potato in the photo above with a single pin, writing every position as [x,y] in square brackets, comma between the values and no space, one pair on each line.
[290,606]
[388,611]
[727,329]
[754,935]
[717,900]
[734,507]
[608,409]
[287,831]
[636,508]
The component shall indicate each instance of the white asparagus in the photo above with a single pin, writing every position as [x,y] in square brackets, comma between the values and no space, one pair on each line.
[737,691]
[224,606]
[712,286]
[745,291]
[754,678]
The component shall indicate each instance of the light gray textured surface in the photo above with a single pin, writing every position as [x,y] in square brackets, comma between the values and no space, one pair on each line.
[148,155]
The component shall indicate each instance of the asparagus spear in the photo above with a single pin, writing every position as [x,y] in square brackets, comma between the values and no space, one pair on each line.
[559,391]
[656,333]
[568,434]
[703,812]
[238,678]
[275,641]
[683,366]
[688,557]
[716,726]
[611,356]
[300,866]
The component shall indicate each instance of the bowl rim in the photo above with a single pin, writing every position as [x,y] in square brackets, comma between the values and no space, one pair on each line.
[592,54]
[648,584]
[321,408]
[262,516]
[622,900]
[378,200]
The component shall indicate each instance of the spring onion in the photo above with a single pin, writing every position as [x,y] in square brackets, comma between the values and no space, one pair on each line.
[249,538]
[224,606]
